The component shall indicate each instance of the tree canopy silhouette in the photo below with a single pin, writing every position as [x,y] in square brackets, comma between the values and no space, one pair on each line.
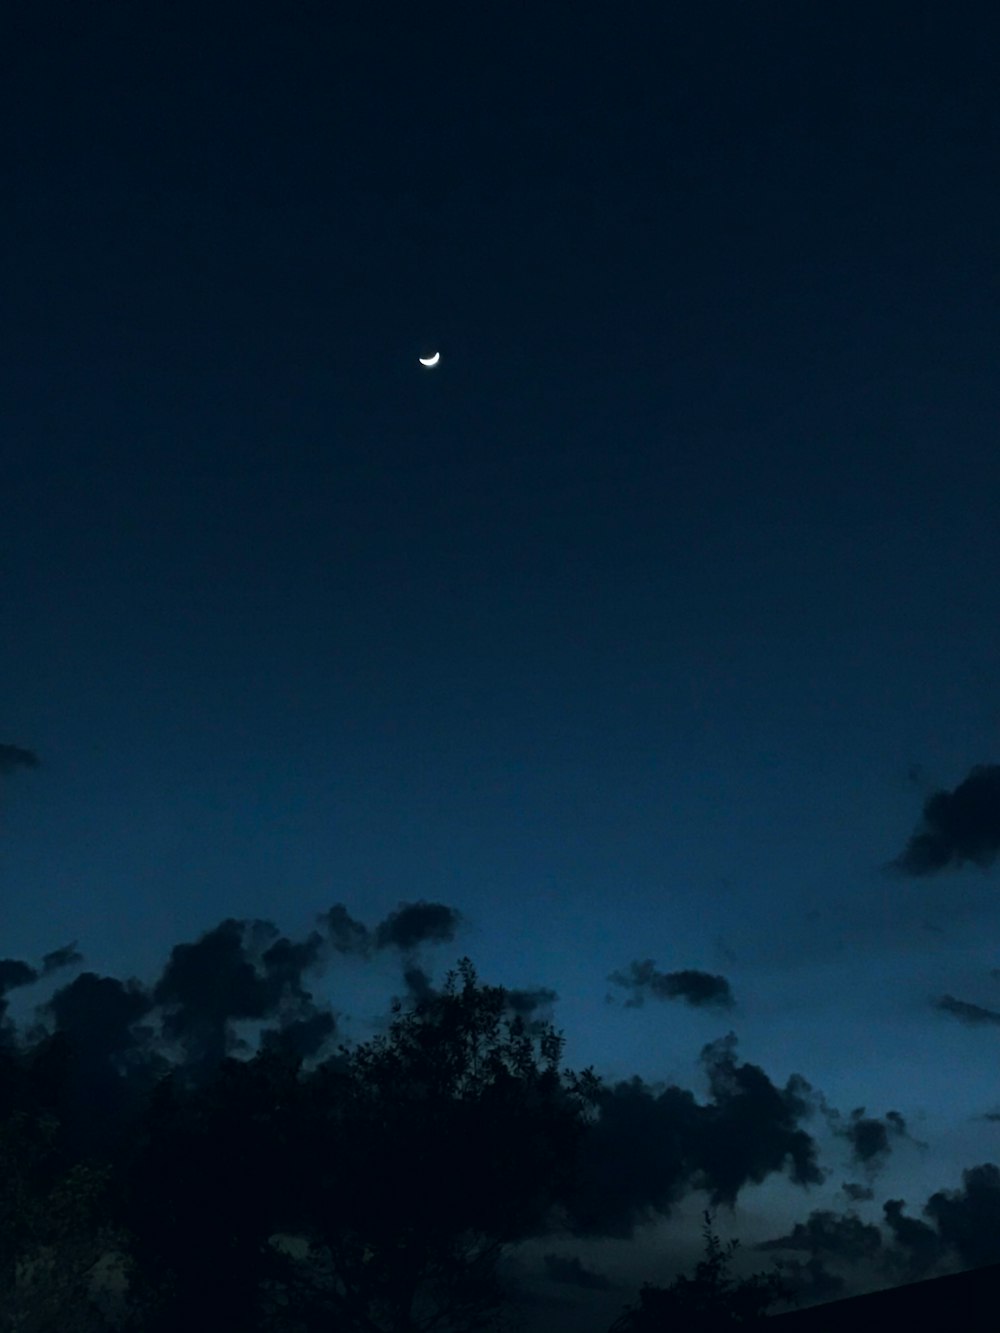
[419,1156]
[406,1165]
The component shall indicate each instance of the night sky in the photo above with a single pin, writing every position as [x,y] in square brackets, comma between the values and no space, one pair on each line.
[645,650]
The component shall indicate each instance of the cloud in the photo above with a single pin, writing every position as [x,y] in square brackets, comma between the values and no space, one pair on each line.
[207,984]
[304,1037]
[830,1235]
[700,989]
[973,1015]
[964,1223]
[413,923]
[834,1241]
[418,983]
[344,933]
[14,756]
[247,970]
[857,1193]
[752,1127]
[64,957]
[14,973]
[651,1146]
[968,1219]
[918,1247]
[569,1270]
[640,1155]
[528,1003]
[99,1012]
[125,1035]
[285,962]
[239,970]
[811,1282]
[868,1136]
[957,826]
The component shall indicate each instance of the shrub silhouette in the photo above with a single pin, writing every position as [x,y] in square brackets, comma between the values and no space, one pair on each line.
[712,1300]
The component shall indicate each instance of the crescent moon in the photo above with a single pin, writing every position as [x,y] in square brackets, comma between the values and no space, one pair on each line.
[429,360]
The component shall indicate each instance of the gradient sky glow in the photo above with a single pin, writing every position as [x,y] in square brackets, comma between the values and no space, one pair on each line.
[642,628]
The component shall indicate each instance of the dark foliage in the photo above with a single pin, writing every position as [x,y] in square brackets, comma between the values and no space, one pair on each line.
[406,1165]
[710,1301]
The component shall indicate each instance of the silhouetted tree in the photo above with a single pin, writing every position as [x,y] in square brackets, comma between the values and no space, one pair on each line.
[201,1193]
[420,1156]
[406,1165]
[711,1300]
[54,1230]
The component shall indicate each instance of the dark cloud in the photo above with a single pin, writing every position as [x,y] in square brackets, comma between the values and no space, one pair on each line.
[14,756]
[305,1037]
[344,933]
[124,1035]
[413,923]
[571,1272]
[968,1219]
[14,973]
[64,957]
[857,1193]
[917,1247]
[641,1153]
[752,1126]
[224,977]
[418,983]
[240,970]
[956,826]
[962,1223]
[830,1235]
[528,1004]
[697,988]
[973,1015]
[869,1137]
[811,1282]
[98,1012]
[285,962]
[208,984]
[649,1147]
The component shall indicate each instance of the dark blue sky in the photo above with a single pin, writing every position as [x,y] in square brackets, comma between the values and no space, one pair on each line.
[641,627]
